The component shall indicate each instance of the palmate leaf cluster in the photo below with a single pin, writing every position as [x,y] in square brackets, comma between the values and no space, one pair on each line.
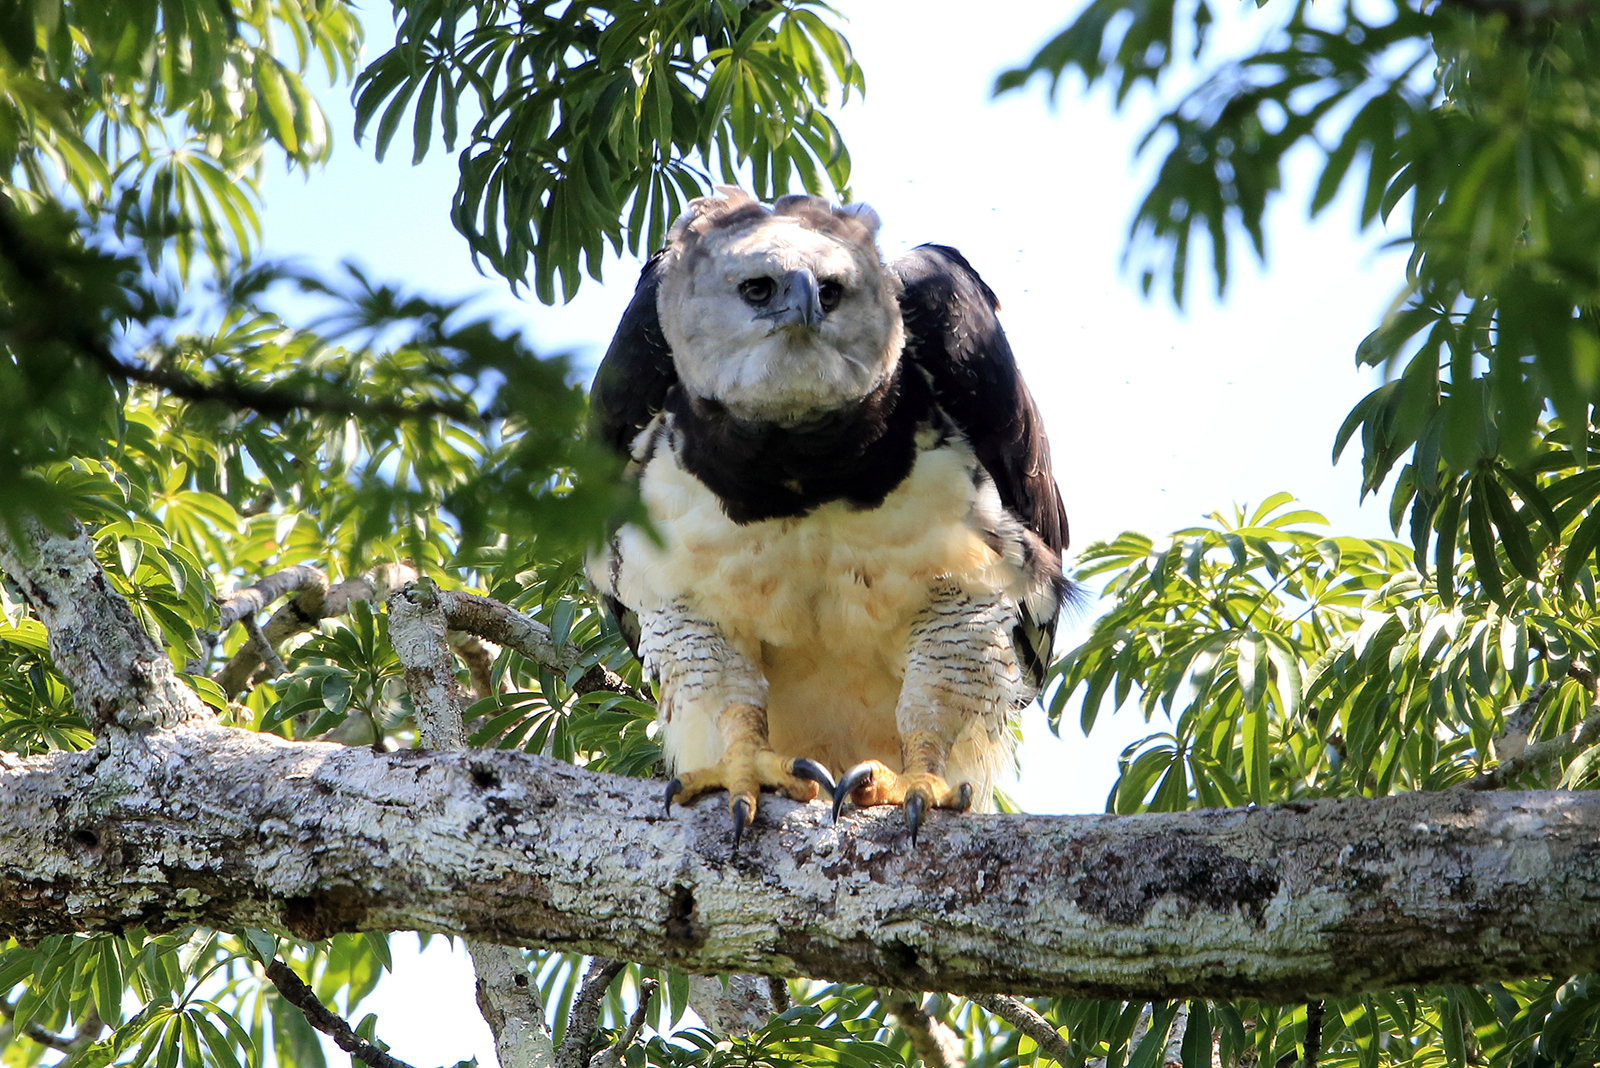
[1286,663]
[1468,131]
[596,123]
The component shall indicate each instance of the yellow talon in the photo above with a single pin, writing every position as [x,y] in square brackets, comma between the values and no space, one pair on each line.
[748,766]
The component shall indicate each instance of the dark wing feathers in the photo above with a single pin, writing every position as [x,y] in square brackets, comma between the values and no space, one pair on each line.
[632,383]
[954,335]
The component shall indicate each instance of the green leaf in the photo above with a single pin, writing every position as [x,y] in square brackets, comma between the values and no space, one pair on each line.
[1251,660]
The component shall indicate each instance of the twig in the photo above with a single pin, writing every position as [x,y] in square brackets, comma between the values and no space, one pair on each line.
[314,603]
[611,1056]
[1021,1016]
[577,1043]
[264,649]
[36,270]
[931,1038]
[89,1029]
[503,625]
[1514,734]
[779,990]
[298,994]
[1587,734]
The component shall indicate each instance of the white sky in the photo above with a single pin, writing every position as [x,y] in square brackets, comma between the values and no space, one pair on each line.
[1155,418]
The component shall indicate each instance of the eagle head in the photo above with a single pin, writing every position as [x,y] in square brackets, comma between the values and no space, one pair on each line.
[779,313]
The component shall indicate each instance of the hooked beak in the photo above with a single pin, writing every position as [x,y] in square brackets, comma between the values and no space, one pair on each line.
[796,303]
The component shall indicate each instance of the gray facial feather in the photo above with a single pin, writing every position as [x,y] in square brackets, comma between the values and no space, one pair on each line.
[730,347]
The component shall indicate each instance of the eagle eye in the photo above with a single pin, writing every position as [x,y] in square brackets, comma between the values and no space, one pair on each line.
[829,294]
[756,291]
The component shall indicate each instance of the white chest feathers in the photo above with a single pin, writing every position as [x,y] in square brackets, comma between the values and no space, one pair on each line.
[837,577]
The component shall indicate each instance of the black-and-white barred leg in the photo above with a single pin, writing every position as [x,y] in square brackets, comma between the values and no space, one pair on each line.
[713,707]
[962,682]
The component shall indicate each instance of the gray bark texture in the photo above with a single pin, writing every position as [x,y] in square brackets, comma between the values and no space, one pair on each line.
[172,819]
[232,829]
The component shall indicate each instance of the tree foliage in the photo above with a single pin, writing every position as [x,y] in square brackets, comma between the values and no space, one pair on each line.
[152,386]
[1469,126]
[598,122]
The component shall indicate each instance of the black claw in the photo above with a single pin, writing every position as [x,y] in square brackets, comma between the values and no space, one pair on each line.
[741,818]
[966,796]
[856,777]
[914,806]
[673,788]
[810,769]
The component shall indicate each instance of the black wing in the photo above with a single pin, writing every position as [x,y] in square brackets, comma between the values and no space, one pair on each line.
[630,387]
[632,383]
[953,334]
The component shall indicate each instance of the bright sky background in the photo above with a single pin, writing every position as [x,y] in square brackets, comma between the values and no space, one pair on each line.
[1155,418]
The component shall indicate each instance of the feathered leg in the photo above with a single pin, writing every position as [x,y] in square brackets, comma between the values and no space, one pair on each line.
[962,678]
[711,693]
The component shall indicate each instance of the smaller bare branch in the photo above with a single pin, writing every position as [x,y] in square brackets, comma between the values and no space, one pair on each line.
[503,625]
[89,1029]
[932,1039]
[249,601]
[779,989]
[313,604]
[611,1056]
[298,994]
[1020,1015]
[735,1004]
[507,997]
[577,1045]
[479,656]
[510,1004]
[600,677]
[1172,1053]
[1513,737]
[1586,735]
[1313,1046]
[119,674]
[264,649]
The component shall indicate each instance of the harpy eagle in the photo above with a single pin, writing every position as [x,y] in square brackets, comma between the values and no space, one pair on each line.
[856,560]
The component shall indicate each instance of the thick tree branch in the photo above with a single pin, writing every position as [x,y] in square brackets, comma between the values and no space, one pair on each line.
[120,676]
[232,829]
